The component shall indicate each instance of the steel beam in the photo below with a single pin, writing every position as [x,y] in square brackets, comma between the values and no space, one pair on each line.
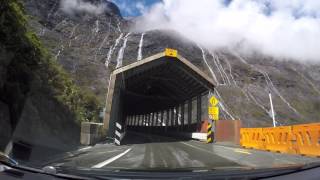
[177,117]
[161,117]
[172,118]
[167,121]
[182,116]
[199,109]
[189,113]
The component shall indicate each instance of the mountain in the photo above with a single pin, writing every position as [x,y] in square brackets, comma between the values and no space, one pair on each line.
[90,46]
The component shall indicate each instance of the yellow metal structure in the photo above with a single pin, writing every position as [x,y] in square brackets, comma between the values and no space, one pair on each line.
[209,133]
[213,113]
[171,52]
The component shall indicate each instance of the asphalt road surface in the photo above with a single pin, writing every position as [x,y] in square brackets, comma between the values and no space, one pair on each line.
[151,152]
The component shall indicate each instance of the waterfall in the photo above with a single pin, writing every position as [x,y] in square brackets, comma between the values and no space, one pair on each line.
[307,80]
[269,83]
[121,51]
[103,42]
[206,62]
[73,30]
[72,34]
[222,105]
[280,95]
[217,83]
[57,55]
[42,32]
[140,48]
[222,69]
[112,48]
[218,68]
[230,70]
[59,52]
[250,95]
[118,26]
[96,30]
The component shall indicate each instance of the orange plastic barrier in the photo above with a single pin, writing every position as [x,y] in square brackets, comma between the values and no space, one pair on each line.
[301,139]
[252,138]
[279,139]
[307,138]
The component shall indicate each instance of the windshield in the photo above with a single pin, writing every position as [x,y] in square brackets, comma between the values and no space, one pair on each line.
[159,85]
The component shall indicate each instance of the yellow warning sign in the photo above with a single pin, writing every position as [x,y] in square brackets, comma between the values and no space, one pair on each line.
[213,113]
[213,101]
[171,52]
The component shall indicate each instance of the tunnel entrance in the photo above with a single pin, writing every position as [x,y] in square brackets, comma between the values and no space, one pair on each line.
[162,93]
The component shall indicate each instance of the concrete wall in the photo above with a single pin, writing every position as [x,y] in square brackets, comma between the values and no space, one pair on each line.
[5,126]
[91,133]
[227,131]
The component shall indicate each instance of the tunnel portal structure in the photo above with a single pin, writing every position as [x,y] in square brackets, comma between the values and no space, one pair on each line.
[159,93]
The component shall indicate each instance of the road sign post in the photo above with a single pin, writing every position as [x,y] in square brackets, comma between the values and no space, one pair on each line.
[213,114]
[213,101]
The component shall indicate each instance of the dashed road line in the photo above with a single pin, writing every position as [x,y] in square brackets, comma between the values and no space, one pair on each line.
[85,148]
[108,161]
[241,151]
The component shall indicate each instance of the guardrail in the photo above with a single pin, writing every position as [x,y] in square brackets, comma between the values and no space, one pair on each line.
[301,139]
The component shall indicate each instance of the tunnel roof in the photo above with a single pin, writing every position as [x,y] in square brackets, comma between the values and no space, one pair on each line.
[160,81]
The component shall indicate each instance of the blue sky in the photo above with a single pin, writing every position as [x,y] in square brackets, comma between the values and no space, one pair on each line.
[133,7]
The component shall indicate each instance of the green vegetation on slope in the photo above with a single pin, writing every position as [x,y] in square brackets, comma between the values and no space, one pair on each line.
[27,67]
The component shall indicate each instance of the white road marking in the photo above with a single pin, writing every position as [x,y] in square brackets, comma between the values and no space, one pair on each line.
[242,151]
[59,164]
[239,150]
[85,148]
[108,161]
[235,150]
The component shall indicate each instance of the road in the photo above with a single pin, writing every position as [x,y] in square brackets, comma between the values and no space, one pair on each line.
[145,151]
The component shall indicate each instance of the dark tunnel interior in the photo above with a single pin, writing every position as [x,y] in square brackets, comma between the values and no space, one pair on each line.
[160,96]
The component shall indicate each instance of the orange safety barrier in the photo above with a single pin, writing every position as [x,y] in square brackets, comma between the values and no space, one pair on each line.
[279,139]
[301,139]
[252,138]
[307,138]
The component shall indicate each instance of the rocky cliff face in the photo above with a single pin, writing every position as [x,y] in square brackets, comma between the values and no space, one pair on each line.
[79,41]
[39,102]
[90,46]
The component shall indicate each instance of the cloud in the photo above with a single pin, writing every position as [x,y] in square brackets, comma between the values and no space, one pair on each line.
[284,29]
[140,7]
[76,6]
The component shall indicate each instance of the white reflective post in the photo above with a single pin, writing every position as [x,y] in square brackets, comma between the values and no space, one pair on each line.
[272,111]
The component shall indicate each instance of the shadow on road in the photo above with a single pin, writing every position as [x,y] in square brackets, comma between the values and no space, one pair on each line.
[133,137]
